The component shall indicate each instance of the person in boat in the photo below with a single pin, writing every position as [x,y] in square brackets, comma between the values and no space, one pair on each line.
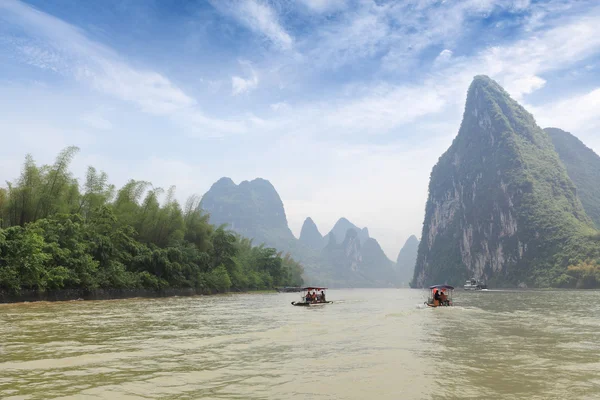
[315,297]
[436,297]
[322,296]
[443,298]
[307,297]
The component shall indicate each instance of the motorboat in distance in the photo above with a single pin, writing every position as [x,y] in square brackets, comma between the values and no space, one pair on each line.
[474,284]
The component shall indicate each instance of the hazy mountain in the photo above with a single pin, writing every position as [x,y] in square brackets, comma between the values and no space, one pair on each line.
[407,258]
[343,225]
[255,210]
[358,265]
[310,235]
[583,167]
[501,205]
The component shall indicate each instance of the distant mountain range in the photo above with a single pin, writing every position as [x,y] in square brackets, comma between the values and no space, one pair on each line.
[509,202]
[346,257]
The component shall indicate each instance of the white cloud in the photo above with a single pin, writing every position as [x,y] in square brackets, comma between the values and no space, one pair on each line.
[63,48]
[259,17]
[577,114]
[241,85]
[324,6]
[445,55]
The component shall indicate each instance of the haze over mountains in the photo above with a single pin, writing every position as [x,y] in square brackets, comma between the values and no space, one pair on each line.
[501,204]
[346,256]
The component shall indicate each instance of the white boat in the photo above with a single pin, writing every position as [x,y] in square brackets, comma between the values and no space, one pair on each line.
[473,284]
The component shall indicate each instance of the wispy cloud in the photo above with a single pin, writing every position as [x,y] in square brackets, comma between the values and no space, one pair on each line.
[58,46]
[324,6]
[259,17]
[577,113]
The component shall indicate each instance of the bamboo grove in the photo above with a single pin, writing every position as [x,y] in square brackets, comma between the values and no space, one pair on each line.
[56,233]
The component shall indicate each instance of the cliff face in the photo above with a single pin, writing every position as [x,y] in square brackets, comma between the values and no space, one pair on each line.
[501,206]
[583,167]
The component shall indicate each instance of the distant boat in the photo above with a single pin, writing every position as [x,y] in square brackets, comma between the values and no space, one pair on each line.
[474,284]
[318,300]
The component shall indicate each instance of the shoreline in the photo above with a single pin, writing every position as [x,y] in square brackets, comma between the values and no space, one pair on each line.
[31,296]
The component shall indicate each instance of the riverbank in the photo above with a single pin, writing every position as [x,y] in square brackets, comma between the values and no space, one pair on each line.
[110,294]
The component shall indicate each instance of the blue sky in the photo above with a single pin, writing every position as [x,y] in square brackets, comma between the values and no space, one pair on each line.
[344,105]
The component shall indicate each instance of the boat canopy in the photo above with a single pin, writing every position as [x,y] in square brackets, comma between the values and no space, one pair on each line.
[443,287]
[314,288]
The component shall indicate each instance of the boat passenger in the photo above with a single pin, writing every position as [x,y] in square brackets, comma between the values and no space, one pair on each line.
[443,298]
[315,297]
[323,296]
[436,298]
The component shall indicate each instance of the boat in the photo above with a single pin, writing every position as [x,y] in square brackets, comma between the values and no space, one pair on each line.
[474,284]
[307,301]
[444,290]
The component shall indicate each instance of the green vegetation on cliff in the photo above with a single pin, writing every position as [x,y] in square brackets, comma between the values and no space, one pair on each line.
[501,206]
[57,234]
[583,167]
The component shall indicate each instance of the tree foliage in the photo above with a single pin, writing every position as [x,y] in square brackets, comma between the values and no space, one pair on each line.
[58,234]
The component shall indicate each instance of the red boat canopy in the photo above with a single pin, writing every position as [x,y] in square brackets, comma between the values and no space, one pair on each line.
[314,288]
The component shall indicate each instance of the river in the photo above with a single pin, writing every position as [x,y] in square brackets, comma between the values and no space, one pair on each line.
[370,344]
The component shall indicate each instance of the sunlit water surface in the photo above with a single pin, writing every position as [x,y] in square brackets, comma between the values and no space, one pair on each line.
[369,344]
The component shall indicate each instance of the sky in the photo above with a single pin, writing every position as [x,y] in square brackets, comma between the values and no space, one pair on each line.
[344,105]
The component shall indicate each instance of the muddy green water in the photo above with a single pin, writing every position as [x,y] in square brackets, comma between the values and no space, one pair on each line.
[371,344]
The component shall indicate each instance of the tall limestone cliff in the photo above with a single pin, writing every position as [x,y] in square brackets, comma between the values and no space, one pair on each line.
[310,235]
[501,206]
[407,258]
[583,167]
